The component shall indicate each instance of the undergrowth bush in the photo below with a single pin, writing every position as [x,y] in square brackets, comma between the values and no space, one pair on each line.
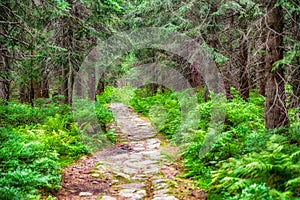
[142,102]
[254,191]
[95,114]
[243,121]
[278,166]
[246,162]
[16,115]
[35,143]
[27,166]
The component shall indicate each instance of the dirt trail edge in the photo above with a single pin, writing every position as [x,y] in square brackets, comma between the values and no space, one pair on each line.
[137,167]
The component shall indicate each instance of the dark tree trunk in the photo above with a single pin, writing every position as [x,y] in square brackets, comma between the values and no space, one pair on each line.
[64,84]
[4,74]
[4,64]
[101,85]
[66,41]
[22,93]
[276,114]
[70,84]
[78,86]
[37,84]
[261,72]
[295,71]
[244,80]
[31,92]
[262,76]
[212,39]
[45,88]
[243,62]
[227,78]
[92,84]
[45,85]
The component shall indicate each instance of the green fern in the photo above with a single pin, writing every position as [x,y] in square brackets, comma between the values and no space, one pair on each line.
[275,166]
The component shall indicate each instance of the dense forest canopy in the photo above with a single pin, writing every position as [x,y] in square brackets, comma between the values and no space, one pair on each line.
[254,46]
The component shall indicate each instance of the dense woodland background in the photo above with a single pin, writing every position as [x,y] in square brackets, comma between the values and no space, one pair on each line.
[255,44]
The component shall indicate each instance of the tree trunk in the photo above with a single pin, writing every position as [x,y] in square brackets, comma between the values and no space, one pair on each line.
[227,77]
[295,71]
[212,39]
[244,80]
[45,89]
[92,84]
[37,88]
[4,74]
[70,84]
[262,75]
[276,114]
[31,92]
[64,84]
[101,85]
[45,85]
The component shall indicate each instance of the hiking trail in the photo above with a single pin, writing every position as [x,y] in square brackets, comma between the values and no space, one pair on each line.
[142,165]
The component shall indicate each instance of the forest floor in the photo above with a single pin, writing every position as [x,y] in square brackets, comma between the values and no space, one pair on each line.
[141,165]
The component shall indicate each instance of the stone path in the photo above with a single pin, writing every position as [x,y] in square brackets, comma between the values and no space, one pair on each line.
[135,168]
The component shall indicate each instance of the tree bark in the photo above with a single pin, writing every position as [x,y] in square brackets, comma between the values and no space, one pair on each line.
[295,71]
[262,73]
[37,85]
[64,84]
[4,74]
[276,114]
[92,84]
[244,80]
[45,85]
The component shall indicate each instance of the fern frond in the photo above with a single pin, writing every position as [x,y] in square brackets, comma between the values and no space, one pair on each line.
[295,156]
[295,181]
[281,195]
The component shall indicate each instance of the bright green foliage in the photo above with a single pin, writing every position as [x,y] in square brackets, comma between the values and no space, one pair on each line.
[278,166]
[39,142]
[92,113]
[254,191]
[92,118]
[246,162]
[61,135]
[242,121]
[16,115]
[142,102]
[106,96]
[31,157]
[27,166]
[103,114]
[111,94]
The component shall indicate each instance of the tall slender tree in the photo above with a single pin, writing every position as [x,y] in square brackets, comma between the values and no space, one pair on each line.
[276,114]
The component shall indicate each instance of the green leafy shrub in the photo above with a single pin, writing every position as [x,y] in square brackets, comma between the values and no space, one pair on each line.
[27,166]
[239,112]
[106,96]
[17,115]
[92,118]
[277,166]
[31,157]
[95,114]
[142,102]
[243,120]
[103,114]
[254,191]
[35,142]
